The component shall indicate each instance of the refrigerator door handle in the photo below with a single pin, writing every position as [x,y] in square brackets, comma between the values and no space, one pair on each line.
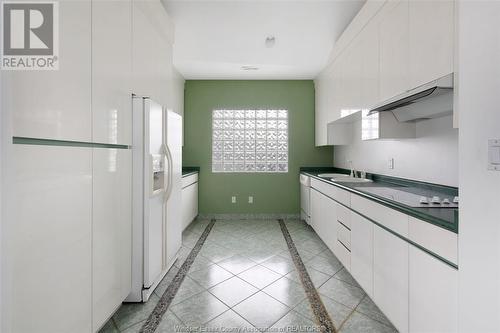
[166,181]
[169,166]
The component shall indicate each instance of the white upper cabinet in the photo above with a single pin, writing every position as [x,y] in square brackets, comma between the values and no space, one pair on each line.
[393,34]
[431,35]
[152,40]
[389,48]
[111,71]
[350,93]
[326,102]
[369,81]
[320,120]
[55,104]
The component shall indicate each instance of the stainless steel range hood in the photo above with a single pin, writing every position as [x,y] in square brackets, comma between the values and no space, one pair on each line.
[431,100]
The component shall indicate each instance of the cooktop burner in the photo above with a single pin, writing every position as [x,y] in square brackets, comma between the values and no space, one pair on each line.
[413,197]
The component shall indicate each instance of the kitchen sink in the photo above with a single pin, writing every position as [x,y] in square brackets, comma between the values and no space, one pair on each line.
[333,175]
[349,179]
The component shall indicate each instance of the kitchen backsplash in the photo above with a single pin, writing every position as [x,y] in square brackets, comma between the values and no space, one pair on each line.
[431,157]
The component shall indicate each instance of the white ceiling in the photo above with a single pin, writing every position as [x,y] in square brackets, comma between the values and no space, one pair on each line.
[214,39]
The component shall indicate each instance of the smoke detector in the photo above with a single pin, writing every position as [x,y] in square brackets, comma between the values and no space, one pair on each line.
[249,68]
[270,41]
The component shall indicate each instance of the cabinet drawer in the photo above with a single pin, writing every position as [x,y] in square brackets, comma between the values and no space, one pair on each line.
[344,235]
[442,242]
[332,191]
[389,218]
[342,196]
[344,255]
[344,215]
[186,181]
[189,204]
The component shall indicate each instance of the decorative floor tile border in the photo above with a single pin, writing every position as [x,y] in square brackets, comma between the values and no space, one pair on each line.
[320,313]
[161,307]
[272,217]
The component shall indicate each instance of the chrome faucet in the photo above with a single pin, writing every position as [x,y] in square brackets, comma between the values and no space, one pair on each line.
[353,172]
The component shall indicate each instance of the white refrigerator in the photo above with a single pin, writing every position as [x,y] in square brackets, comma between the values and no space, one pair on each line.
[156,195]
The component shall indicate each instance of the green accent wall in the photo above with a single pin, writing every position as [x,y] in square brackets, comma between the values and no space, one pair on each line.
[273,192]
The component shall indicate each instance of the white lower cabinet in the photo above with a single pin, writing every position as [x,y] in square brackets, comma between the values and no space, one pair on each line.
[390,276]
[323,218]
[433,302]
[343,245]
[111,231]
[414,289]
[189,203]
[46,244]
[305,203]
[362,252]
[343,253]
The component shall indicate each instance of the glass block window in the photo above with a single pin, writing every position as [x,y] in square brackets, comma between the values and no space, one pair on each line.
[250,141]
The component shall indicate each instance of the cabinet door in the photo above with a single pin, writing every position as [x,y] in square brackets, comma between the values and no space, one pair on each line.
[55,104]
[317,209]
[194,202]
[393,34]
[305,200]
[433,294]
[320,123]
[111,71]
[323,217]
[339,92]
[431,32]
[362,252]
[189,202]
[327,99]
[46,274]
[152,51]
[111,231]
[369,51]
[351,78]
[390,276]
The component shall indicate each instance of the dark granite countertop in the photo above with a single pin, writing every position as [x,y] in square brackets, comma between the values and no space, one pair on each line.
[189,170]
[446,218]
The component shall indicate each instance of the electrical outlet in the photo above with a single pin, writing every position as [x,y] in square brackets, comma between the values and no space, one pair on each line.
[494,154]
[390,163]
[250,199]
[233,199]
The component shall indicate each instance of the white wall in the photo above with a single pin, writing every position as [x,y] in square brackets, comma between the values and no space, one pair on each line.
[479,227]
[431,157]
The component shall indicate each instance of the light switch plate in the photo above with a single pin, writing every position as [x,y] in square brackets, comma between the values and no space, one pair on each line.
[494,154]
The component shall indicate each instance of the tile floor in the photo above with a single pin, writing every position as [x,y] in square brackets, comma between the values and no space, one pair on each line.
[244,278]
